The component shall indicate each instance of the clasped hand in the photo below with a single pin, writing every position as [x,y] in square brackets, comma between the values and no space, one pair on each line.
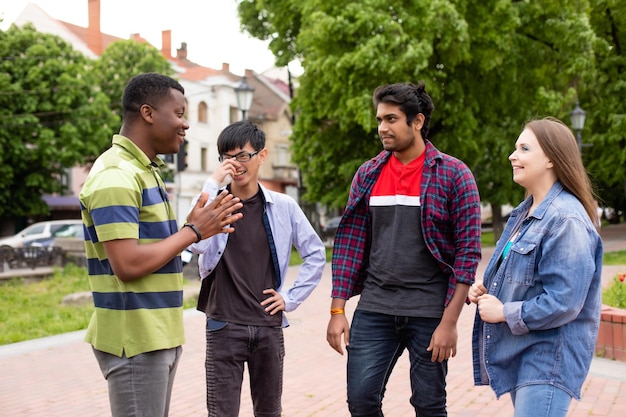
[490,308]
[217,216]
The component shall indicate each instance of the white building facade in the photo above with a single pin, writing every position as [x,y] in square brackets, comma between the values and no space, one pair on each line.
[211,106]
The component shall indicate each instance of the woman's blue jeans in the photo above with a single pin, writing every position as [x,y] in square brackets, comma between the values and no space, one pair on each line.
[540,400]
[376,343]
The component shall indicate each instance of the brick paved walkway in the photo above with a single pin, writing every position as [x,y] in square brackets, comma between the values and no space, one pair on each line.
[59,377]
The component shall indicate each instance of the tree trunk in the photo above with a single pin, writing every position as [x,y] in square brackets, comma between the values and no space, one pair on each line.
[497,221]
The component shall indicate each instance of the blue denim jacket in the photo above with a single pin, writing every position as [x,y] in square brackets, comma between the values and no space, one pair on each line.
[550,284]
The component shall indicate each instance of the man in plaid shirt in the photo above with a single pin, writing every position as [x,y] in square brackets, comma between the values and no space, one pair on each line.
[409,244]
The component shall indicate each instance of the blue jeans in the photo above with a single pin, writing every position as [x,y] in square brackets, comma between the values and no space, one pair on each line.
[541,400]
[229,347]
[140,386]
[376,343]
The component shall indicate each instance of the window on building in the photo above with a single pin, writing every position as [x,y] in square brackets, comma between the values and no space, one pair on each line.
[281,155]
[203,112]
[204,154]
[66,178]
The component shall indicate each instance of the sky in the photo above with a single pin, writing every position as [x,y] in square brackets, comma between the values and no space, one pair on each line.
[209,27]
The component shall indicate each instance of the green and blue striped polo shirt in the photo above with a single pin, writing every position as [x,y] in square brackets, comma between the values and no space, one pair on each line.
[125,198]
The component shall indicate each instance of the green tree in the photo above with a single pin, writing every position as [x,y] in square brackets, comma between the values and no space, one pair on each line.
[277,21]
[121,61]
[525,67]
[52,117]
[602,96]
[489,67]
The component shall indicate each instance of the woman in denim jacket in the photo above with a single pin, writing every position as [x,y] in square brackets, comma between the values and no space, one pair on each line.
[539,302]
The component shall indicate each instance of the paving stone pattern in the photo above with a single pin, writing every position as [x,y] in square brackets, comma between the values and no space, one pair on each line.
[59,376]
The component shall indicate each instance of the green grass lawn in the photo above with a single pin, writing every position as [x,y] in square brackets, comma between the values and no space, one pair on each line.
[29,310]
[33,310]
[614,258]
[296,260]
[487,239]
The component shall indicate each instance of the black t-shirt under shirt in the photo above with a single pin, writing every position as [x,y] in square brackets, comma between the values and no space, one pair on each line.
[244,271]
[403,278]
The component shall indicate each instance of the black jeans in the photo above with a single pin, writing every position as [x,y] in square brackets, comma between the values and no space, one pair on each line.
[376,343]
[228,348]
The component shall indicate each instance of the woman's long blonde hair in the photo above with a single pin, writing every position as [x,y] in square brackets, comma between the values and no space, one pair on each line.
[560,146]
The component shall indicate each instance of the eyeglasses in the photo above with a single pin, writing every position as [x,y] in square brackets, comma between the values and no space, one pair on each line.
[240,157]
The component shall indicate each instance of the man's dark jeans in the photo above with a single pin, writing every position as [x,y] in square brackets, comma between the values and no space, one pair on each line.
[228,348]
[376,343]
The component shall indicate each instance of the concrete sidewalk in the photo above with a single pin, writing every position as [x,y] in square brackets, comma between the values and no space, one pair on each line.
[58,376]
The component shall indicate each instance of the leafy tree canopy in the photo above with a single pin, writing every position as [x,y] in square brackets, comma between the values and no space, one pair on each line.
[489,66]
[52,117]
[602,96]
[58,109]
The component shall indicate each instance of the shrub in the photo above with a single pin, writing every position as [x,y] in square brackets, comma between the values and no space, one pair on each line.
[615,294]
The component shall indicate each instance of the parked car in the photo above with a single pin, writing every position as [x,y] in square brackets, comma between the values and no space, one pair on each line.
[329,229]
[611,215]
[37,231]
[67,231]
[186,256]
[71,237]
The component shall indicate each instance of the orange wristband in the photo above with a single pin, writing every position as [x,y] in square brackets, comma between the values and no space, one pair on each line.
[334,311]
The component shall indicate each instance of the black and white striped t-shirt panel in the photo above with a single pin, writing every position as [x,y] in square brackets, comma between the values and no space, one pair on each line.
[403,277]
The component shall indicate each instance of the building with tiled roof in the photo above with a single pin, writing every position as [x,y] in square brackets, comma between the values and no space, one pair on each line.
[211,104]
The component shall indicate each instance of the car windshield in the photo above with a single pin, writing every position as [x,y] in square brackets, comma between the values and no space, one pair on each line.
[34,230]
[70,230]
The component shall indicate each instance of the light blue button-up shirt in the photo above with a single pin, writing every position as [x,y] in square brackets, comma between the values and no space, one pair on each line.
[550,284]
[289,227]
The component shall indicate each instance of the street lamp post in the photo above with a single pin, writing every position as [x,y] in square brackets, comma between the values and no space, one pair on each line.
[578,122]
[244,93]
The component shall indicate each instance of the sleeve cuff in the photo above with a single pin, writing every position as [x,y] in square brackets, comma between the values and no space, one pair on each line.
[513,317]
[210,187]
